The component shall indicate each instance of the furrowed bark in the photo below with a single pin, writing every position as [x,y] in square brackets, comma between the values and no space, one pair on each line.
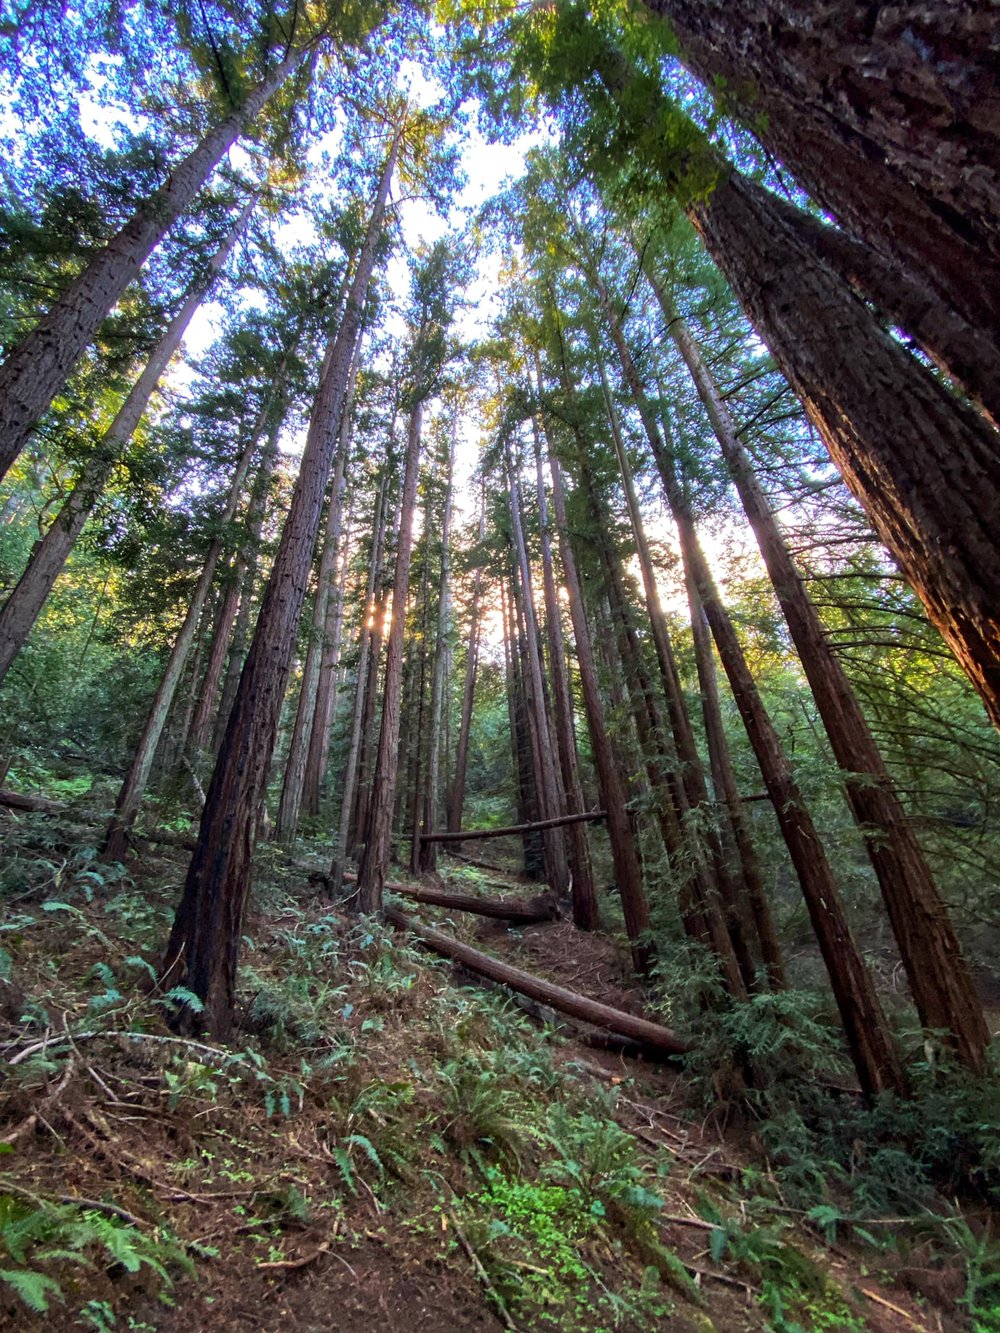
[203,949]
[374,862]
[939,979]
[924,466]
[868,1037]
[887,115]
[287,820]
[623,851]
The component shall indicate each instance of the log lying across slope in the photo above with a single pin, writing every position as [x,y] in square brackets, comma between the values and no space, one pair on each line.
[42,805]
[475,834]
[654,1039]
[541,908]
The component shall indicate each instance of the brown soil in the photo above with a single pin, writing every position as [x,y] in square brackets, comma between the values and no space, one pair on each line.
[297,1250]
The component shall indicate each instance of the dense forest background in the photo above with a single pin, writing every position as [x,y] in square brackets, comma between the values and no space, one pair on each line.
[487,418]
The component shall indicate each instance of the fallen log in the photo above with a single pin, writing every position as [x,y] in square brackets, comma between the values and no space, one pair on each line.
[15,800]
[541,908]
[474,834]
[43,805]
[651,1037]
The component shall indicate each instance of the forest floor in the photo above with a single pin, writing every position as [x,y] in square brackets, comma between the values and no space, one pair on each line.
[387,1145]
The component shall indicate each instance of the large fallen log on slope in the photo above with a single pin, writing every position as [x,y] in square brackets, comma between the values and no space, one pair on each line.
[15,800]
[651,1037]
[475,834]
[541,908]
[43,805]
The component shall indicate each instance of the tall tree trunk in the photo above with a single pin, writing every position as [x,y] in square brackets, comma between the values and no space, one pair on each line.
[38,367]
[368,640]
[585,911]
[456,797]
[133,789]
[724,780]
[374,862]
[966,352]
[548,783]
[887,116]
[290,804]
[522,761]
[925,467]
[869,1039]
[248,567]
[50,555]
[222,632]
[427,854]
[327,687]
[203,949]
[707,896]
[623,851]
[939,979]
[695,787]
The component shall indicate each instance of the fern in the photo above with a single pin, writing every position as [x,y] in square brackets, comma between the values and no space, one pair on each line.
[35,1289]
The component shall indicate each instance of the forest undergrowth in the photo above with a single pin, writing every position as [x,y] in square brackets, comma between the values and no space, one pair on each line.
[388,1145]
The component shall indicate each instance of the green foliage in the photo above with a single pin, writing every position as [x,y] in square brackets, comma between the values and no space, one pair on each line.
[44,1238]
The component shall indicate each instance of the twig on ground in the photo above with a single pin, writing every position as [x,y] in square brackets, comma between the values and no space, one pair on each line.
[26,1126]
[482,1274]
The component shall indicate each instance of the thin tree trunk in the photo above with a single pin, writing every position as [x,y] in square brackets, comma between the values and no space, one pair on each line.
[287,822]
[219,647]
[427,856]
[50,555]
[709,905]
[37,369]
[551,798]
[869,1039]
[724,779]
[203,950]
[374,862]
[247,568]
[327,688]
[133,788]
[939,978]
[456,798]
[585,911]
[623,851]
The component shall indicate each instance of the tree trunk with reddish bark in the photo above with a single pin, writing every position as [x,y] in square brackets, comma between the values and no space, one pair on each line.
[287,821]
[924,466]
[628,873]
[939,979]
[133,789]
[21,609]
[868,1037]
[374,862]
[38,367]
[887,115]
[203,949]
